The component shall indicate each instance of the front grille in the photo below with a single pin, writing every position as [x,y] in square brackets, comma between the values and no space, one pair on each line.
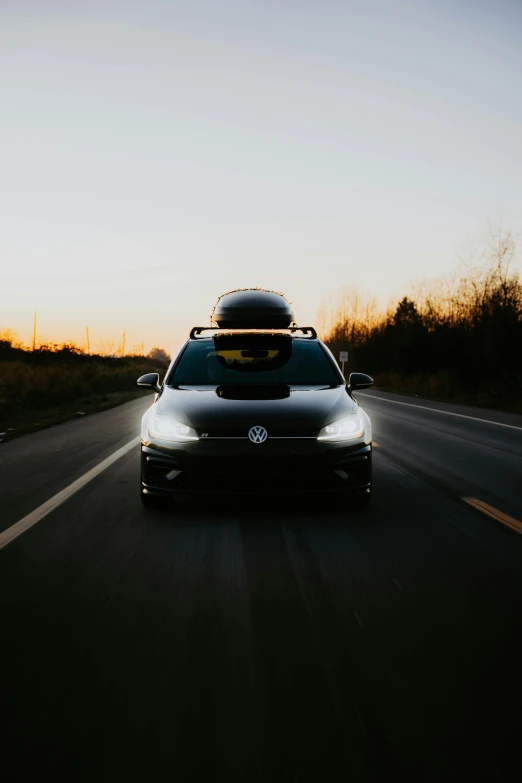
[242,432]
[258,473]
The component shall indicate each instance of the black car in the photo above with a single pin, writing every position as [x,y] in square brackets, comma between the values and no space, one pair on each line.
[255,405]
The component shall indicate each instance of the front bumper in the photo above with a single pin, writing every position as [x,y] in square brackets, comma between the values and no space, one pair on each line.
[290,468]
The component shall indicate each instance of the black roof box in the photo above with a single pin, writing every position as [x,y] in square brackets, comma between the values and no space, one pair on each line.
[252,308]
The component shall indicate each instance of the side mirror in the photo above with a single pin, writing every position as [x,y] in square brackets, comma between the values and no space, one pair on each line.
[358,380]
[150,381]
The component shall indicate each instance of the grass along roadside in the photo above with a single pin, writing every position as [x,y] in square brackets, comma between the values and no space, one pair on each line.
[45,387]
[440,387]
[23,422]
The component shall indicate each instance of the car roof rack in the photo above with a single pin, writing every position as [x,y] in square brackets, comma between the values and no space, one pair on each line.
[305,330]
[196,331]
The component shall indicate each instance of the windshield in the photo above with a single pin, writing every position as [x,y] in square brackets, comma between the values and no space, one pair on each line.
[258,359]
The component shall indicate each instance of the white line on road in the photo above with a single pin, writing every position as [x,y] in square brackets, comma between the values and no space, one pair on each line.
[437,410]
[357,618]
[398,585]
[39,513]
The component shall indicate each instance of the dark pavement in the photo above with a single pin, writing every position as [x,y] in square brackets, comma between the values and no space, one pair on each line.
[250,641]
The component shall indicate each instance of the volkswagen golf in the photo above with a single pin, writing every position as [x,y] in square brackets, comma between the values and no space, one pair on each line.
[255,404]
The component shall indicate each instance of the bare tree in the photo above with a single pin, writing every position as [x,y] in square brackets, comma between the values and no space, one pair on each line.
[159,355]
[107,348]
[8,336]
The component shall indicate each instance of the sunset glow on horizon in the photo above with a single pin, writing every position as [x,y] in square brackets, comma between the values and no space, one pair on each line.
[157,154]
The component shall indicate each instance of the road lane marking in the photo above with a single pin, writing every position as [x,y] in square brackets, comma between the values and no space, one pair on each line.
[436,410]
[398,585]
[39,513]
[357,618]
[494,513]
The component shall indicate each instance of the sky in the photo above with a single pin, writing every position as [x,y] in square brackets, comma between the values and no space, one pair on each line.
[156,154]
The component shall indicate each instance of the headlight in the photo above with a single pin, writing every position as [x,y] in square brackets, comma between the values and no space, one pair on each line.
[349,428]
[165,428]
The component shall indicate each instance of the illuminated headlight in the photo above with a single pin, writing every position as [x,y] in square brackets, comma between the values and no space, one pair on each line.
[165,428]
[349,428]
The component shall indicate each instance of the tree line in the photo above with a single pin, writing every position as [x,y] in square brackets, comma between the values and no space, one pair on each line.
[466,328]
[70,353]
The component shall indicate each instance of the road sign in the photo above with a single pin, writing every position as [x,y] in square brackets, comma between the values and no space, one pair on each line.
[343,357]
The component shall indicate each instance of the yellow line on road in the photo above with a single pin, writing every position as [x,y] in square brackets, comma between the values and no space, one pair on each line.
[39,513]
[495,514]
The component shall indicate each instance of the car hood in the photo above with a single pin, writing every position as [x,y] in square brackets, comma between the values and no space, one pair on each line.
[297,408]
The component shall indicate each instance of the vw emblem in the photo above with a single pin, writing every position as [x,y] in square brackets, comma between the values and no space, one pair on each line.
[257,434]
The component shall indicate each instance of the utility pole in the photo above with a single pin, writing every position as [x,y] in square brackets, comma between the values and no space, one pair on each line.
[34,333]
[88,342]
[123,343]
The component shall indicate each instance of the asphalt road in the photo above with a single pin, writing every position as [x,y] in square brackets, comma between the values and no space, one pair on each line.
[265,643]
